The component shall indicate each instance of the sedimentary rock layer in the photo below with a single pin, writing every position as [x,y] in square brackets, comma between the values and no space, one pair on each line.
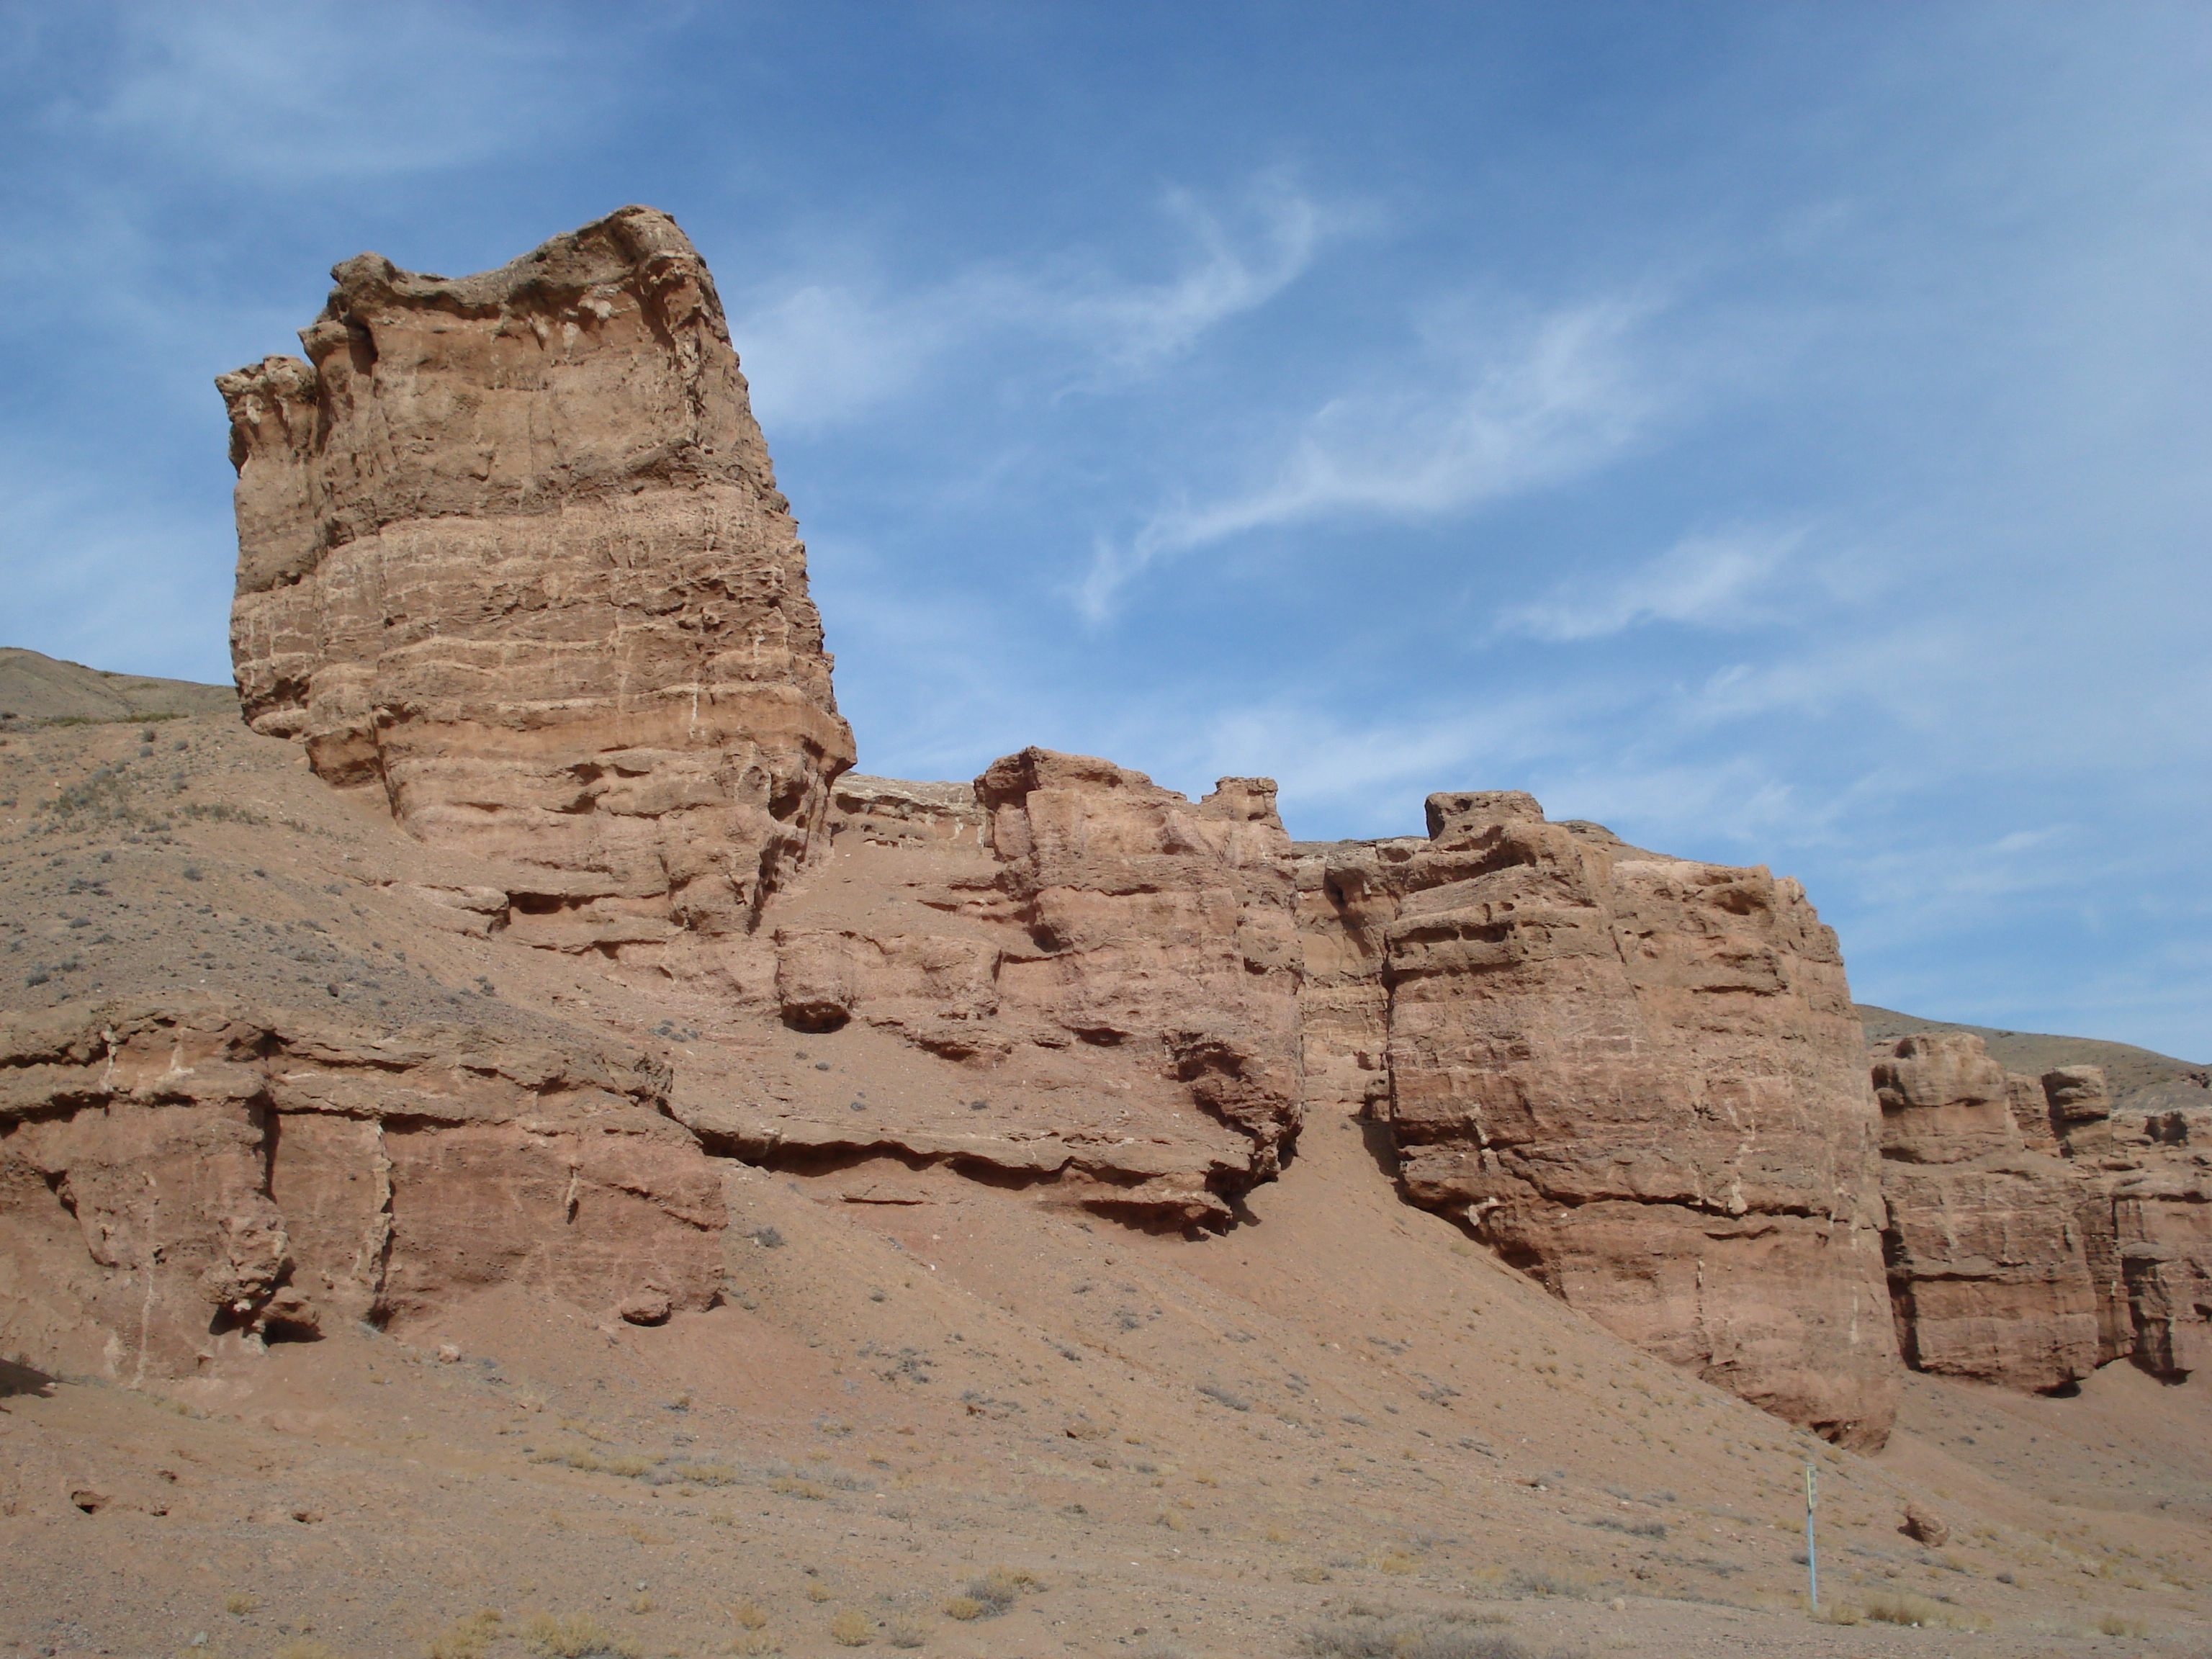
[510,552]
[1095,981]
[178,1179]
[1638,1077]
[2013,1265]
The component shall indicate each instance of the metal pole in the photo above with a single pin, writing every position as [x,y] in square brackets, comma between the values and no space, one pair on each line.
[1811,1550]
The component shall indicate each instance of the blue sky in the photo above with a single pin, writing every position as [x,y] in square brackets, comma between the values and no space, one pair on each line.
[1780,433]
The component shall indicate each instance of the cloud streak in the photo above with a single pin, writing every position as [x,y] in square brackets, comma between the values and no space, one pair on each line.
[1721,580]
[1550,401]
[820,351]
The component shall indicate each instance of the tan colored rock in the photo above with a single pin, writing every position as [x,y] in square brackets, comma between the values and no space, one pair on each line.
[1090,983]
[2080,1110]
[2162,1222]
[511,555]
[176,1179]
[1639,1078]
[1924,1526]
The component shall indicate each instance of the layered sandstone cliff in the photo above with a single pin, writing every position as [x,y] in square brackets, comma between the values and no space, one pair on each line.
[177,1177]
[2031,1238]
[511,553]
[1637,1077]
[1089,984]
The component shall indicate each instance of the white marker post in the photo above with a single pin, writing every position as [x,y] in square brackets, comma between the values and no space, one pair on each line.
[1811,1550]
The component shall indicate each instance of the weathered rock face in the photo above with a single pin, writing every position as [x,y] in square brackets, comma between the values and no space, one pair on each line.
[511,551]
[1988,1262]
[176,1180]
[1093,979]
[1638,1077]
[2012,1265]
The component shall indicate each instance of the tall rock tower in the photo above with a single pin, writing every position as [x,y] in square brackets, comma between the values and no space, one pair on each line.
[510,552]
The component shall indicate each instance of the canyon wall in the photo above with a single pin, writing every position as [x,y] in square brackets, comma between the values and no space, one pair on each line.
[2032,1238]
[180,1177]
[513,563]
[510,552]
[1090,983]
[1639,1078]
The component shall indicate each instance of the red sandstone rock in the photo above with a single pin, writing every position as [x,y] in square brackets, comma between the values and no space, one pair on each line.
[510,554]
[1638,1077]
[176,1179]
[1094,980]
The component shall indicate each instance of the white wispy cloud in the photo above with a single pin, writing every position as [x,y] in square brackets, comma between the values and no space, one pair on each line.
[820,349]
[1716,580]
[294,90]
[1542,404]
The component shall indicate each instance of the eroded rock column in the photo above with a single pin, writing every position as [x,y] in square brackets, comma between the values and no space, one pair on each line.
[510,552]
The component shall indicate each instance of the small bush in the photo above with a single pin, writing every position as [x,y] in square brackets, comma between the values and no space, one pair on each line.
[1905,1608]
[905,1633]
[818,1592]
[468,1636]
[577,1636]
[964,1607]
[241,1603]
[750,1615]
[1543,1581]
[1372,1633]
[2112,1624]
[850,1629]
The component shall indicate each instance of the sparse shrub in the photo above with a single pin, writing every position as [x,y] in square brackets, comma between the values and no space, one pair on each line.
[1904,1608]
[1366,1632]
[818,1592]
[750,1615]
[2114,1624]
[964,1607]
[852,1629]
[1310,1575]
[468,1636]
[575,1636]
[790,1486]
[905,1633]
[752,1643]
[998,1589]
[1544,1581]
[1172,1520]
[1222,1396]
[241,1603]
[1397,1562]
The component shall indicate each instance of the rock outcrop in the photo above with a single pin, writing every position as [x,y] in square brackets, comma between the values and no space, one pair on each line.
[2012,1264]
[178,1179]
[1637,1077]
[1987,1261]
[511,553]
[1093,982]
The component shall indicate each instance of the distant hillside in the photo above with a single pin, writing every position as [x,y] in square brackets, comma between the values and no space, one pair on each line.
[2141,1078]
[38,690]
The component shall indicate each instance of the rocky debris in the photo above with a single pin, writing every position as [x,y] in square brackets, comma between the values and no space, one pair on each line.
[1637,1077]
[180,1177]
[1924,1526]
[512,556]
[1093,982]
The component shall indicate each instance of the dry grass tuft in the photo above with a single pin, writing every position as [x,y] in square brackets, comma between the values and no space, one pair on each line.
[1904,1608]
[575,1636]
[852,1629]
[818,1592]
[750,1615]
[1366,1632]
[468,1636]
[2114,1624]
[241,1602]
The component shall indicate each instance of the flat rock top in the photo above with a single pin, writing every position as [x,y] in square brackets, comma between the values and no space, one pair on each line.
[36,688]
